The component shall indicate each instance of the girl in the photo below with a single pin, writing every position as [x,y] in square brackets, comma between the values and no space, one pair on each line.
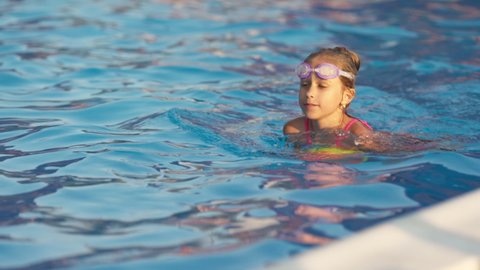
[327,87]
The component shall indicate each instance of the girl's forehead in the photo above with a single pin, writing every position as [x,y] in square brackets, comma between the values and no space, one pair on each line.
[328,82]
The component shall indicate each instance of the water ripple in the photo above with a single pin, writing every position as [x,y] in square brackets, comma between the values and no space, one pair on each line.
[148,134]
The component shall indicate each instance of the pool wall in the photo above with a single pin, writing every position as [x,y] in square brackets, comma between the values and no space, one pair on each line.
[444,237]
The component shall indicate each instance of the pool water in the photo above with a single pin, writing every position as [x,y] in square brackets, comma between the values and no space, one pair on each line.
[148,134]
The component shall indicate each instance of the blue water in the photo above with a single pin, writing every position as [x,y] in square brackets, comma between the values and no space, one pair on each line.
[147,134]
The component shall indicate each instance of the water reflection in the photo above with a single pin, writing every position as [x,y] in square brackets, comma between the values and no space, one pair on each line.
[12,206]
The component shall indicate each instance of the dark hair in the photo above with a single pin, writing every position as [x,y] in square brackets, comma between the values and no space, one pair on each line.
[342,57]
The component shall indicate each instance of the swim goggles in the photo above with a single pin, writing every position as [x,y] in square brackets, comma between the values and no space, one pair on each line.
[324,71]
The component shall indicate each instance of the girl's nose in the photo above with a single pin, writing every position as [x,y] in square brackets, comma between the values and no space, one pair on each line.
[310,92]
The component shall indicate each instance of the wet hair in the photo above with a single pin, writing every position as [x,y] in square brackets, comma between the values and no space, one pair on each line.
[343,58]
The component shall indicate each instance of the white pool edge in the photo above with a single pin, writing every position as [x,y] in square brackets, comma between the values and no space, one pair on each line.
[445,236]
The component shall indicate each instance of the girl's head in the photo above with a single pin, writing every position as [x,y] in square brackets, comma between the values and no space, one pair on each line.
[327,84]
[341,57]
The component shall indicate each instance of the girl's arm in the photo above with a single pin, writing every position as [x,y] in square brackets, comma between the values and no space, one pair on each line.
[385,142]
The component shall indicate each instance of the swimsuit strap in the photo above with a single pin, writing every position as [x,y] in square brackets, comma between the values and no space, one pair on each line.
[350,124]
[339,139]
[353,121]
[307,131]
[365,124]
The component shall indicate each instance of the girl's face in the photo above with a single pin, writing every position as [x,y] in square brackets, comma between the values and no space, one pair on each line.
[320,98]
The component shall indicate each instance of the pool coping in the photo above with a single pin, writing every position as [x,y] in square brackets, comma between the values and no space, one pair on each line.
[444,236]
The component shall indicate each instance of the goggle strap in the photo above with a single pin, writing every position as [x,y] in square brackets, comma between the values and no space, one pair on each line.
[346,74]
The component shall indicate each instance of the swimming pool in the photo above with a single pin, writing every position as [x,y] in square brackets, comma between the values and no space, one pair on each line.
[147,134]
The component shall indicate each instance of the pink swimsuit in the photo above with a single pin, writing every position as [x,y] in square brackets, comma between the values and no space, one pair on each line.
[339,138]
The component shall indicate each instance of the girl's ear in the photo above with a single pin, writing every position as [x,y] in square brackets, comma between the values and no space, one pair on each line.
[348,95]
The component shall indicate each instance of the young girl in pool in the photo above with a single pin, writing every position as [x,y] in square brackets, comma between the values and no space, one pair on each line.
[327,87]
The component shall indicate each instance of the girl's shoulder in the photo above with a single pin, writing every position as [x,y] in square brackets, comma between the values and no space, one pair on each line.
[361,128]
[295,126]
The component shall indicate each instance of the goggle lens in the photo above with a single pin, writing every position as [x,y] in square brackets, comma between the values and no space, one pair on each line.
[303,70]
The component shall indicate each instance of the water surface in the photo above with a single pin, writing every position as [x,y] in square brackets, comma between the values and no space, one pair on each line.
[147,134]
